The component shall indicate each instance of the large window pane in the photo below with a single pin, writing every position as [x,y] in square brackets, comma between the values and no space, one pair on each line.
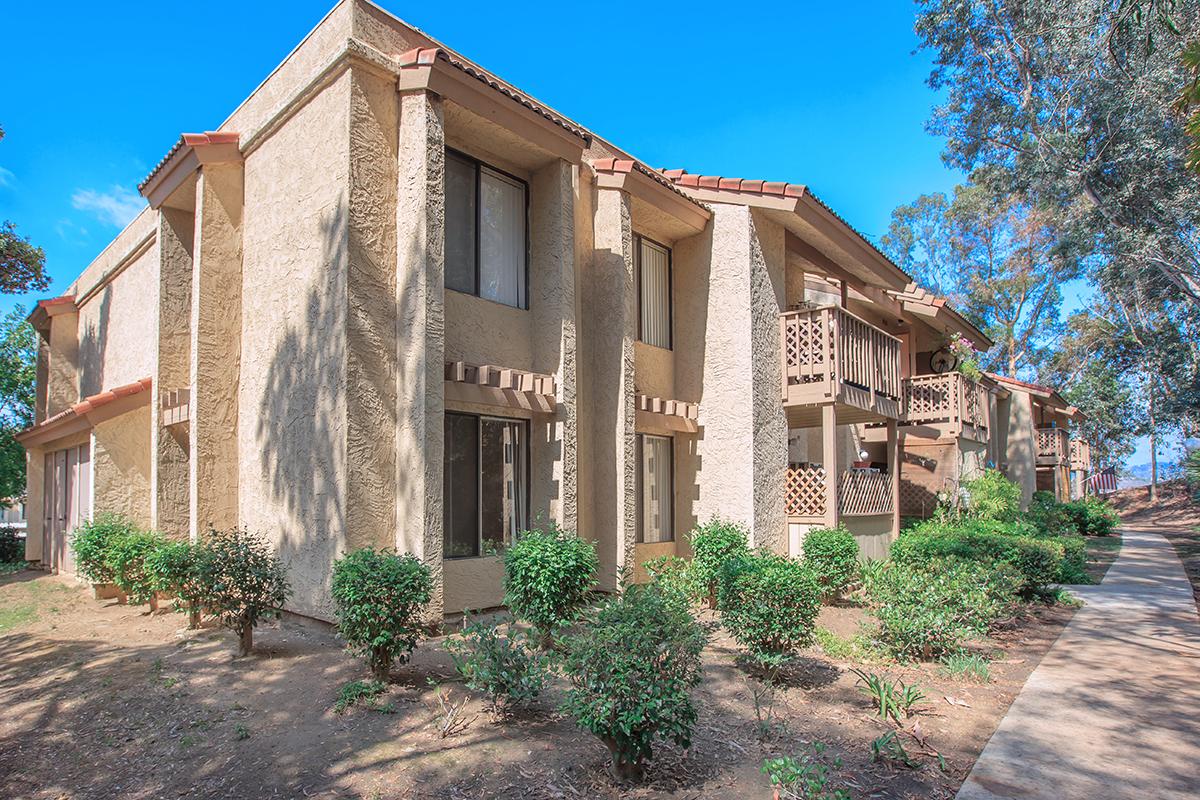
[655,293]
[503,475]
[460,223]
[501,239]
[460,495]
[656,487]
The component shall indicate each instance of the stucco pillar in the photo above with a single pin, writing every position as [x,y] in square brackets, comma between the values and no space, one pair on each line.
[421,326]
[169,466]
[552,271]
[829,460]
[615,468]
[216,318]
[62,390]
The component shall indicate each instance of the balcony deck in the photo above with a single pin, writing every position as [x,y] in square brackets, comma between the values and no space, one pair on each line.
[948,404]
[831,356]
[1081,455]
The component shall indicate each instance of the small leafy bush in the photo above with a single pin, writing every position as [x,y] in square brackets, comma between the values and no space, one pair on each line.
[174,568]
[930,609]
[769,604]
[714,543]
[90,545]
[1050,517]
[243,581]
[1093,516]
[1073,568]
[831,554]
[672,574]
[379,598]
[547,577]
[12,547]
[894,699]
[365,692]
[804,778]
[967,667]
[125,557]
[632,668]
[992,496]
[510,668]
[1037,560]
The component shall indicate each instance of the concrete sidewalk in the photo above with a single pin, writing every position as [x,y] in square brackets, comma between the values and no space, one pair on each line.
[1113,710]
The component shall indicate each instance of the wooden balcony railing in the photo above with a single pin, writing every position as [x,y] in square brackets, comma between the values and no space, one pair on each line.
[1081,455]
[1052,446]
[951,399]
[830,355]
[860,493]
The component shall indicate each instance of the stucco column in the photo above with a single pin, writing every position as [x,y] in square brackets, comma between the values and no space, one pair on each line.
[421,327]
[552,271]
[216,319]
[829,460]
[62,389]
[169,469]
[615,302]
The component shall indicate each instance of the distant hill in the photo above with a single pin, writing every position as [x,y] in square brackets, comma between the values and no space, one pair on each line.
[1139,474]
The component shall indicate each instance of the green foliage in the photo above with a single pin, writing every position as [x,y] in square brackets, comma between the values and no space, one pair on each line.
[714,543]
[966,667]
[18,378]
[547,577]
[124,557]
[380,597]
[356,692]
[894,699]
[174,568]
[510,668]
[673,574]
[769,604]
[1037,561]
[993,496]
[12,547]
[1073,567]
[1050,517]
[831,554]
[632,668]
[804,778]
[1093,516]
[90,544]
[243,581]
[855,648]
[22,264]
[889,748]
[930,608]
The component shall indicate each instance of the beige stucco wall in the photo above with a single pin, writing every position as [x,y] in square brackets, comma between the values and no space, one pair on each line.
[117,328]
[473,583]
[1021,445]
[121,466]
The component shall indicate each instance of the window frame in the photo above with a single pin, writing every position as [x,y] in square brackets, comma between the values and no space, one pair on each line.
[638,239]
[480,165]
[479,420]
[640,534]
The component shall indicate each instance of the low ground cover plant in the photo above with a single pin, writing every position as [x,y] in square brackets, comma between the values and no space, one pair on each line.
[831,554]
[243,581]
[806,777]
[547,578]
[174,568]
[379,598]
[364,692]
[929,609]
[892,699]
[507,666]
[90,544]
[769,604]
[713,544]
[632,667]
[967,667]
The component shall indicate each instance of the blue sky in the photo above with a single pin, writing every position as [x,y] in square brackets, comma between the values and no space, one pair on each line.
[796,92]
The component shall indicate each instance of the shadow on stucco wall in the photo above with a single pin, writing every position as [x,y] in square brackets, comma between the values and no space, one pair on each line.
[92,345]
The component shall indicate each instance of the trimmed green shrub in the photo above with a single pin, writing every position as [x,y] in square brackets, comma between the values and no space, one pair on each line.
[174,568]
[714,543]
[379,597]
[992,496]
[12,547]
[90,545]
[509,668]
[1073,568]
[547,577]
[632,668]
[769,604]
[1050,517]
[926,610]
[1093,516]
[831,554]
[1037,561]
[672,574]
[125,556]
[243,581]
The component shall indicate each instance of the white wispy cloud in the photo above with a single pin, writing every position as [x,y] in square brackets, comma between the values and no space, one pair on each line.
[6,177]
[117,206]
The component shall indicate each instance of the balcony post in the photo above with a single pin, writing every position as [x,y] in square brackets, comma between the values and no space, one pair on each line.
[893,462]
[830,461]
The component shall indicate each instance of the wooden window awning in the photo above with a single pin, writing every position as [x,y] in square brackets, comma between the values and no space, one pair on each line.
[500,386]
[675,415]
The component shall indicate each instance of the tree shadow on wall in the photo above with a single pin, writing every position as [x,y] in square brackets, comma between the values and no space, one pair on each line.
[92,345]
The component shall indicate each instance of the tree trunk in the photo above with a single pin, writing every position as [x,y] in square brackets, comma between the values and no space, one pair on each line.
[381,666]
[1153,456]
[246,640]
[622,768]
[193,616]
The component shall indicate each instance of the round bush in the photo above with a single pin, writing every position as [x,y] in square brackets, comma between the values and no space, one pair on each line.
[993,496]
[632,669]
[125,557]
[831,554]
[769,604]
[174,568]
[714,543]
[1037,561]
[509,668]
[242,581]
[12,547]
[380,597]
[547,577]
[90,544]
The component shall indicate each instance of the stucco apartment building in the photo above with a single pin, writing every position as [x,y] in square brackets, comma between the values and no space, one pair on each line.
[394,301]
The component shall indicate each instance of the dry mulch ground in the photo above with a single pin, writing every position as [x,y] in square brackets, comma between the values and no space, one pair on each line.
[103,700]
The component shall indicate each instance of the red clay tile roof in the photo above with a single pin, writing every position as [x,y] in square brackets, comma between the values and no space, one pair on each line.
[425,56]
[91,403]
[631,165]
[190,140]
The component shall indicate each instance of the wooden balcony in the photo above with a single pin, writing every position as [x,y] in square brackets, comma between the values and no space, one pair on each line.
[1081,455]
[948,404]
[860,493]
[831,356]
[1052,446]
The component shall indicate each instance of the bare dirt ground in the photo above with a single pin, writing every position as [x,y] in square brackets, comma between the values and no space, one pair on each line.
[1174,515]
[103,700]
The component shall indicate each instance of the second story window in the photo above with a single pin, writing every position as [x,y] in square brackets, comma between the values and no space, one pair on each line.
[486,234]
[654,293]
